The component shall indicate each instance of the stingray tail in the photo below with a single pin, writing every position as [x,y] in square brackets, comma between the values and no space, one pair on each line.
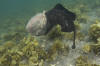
[73,46]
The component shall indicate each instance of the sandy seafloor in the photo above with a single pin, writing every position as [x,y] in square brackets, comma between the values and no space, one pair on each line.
[14,15]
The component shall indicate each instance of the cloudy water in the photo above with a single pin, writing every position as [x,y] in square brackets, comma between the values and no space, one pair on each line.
[15,14]
[20,11]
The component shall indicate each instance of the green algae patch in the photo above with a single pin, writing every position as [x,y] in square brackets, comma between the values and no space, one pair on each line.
[28,52]
[55,33]
[87,48]
[83,61]
[96,48]
[9,44]
[92,47]
[25,53]
[58,48]
[94,31]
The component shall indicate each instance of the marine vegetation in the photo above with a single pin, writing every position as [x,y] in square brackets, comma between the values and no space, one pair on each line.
[94,31]
[28,52]
[94,36]
[87,48]
[83,61]
[58,48]
[96,47]
[56,33]
[17,48]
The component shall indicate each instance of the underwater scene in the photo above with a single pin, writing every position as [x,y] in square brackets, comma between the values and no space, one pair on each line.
[49,32]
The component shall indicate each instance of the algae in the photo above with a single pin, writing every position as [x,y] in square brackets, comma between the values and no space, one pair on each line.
[83,61]
[57,48]
[18,49]
[55,33]
[94,31]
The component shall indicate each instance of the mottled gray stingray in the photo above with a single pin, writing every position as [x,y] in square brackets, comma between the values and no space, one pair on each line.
[60,15]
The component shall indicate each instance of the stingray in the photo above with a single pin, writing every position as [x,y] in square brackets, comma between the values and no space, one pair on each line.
[42,23]
[62,16]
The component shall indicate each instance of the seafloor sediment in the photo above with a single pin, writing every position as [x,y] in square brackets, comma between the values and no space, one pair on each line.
[18,48]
